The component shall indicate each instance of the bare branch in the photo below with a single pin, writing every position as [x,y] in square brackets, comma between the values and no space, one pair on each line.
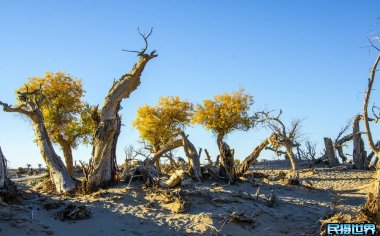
[143,50]
[374,114]
[372,45]
[19,109]
[277,151]
[343,130]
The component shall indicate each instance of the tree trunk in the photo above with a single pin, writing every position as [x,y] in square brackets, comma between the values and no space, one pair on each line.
[330,153]
[359,154]
[193,156]
[3,170]
[166,148]
[373,200]
[227,163]
[174,180]
[68,156]
[103,162]
[58,172]
[252,158]
[293,178]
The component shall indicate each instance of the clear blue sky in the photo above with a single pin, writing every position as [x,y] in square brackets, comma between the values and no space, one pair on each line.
[306,57]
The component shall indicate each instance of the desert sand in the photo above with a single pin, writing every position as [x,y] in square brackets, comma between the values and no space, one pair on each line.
[261,205]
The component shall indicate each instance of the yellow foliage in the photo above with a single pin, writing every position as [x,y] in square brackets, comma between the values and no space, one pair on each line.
[225,113]
[160,124]
[66,116]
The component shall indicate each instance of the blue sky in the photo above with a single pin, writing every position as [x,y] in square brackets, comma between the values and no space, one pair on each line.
[306,57]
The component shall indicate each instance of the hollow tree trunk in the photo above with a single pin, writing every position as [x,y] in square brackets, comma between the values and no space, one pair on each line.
[227,163]
[68,156]
[103,162]
[294,177]
[359,154]
[193,156]
[3,170]
[330,153]
[252,158]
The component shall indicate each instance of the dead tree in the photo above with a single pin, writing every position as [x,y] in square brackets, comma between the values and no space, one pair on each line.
[193,156]
[103,164]
[360,159]
[252,158]
[339,143]
[330,152]
[284,137]
[373,200]
[30,107]
[3,170]
[308,153]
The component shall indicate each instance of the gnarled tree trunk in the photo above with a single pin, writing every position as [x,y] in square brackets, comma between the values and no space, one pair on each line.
[252,158]
[330,153]
[103,162]
[227,163]
[166,148]
[359,156]
[193,156]
[58,172]
[294,177]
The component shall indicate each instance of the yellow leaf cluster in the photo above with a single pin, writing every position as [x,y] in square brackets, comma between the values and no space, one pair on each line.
[225,113]
[160,124]
[62,108]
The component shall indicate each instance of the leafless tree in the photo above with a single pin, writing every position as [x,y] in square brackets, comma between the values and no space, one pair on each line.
[373,200]
[284,136]
[340,141]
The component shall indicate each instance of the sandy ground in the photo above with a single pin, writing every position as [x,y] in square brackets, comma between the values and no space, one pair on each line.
[211,208]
